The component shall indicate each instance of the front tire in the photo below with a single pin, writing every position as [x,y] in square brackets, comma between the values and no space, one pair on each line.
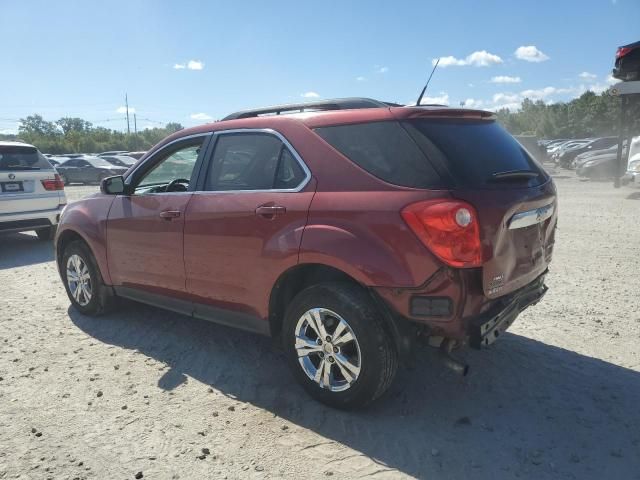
[82,280]
[355,362]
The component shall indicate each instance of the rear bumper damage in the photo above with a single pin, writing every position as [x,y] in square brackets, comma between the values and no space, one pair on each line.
[488,326]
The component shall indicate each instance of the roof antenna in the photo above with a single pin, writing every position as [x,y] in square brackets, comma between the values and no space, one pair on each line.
[425,87]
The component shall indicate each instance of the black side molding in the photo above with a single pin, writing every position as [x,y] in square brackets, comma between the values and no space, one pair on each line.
[202,311]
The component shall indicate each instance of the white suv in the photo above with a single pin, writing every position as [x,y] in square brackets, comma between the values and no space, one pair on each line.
[31,192]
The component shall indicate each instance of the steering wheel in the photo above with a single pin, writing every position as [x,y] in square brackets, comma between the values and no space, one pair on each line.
[177,181]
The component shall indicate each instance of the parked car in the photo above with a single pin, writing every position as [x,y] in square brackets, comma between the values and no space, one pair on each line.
[584,157]
[600,167]
[632,176]
[112,152]
[119,160]
[31,193]
[350,232]
[136,155]
[87,170]
[566,157]
[571,145]
[627,65]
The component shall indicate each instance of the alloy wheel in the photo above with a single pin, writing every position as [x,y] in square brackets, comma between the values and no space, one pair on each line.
[79,280]
[328,350]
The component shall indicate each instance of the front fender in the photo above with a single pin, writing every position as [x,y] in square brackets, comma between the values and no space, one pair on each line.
[88,219]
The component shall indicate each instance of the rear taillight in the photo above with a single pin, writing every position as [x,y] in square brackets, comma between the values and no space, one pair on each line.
[622,51]
[54,183]
[449,228]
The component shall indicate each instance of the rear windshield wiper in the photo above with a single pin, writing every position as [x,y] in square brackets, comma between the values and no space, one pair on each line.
[513,175]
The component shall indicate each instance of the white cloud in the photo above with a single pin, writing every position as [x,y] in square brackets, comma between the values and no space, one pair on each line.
[382,69]
[472,103]
[542,93]
[509,106]
[200,116]
[530,53]
[310,95]
[195,65]
[481,58]
[588,76]
[506,98]
[9,131]
[442,99]
[191,65]
[610,80]
[505,79]
[123,109]
[361,79]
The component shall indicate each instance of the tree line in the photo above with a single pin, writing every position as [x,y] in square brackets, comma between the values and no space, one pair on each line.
[589,115]
[75,135]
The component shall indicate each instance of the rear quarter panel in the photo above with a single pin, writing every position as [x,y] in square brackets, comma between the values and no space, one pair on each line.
[363,234]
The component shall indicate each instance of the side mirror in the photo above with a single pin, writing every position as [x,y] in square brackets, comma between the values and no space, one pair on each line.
[112,185]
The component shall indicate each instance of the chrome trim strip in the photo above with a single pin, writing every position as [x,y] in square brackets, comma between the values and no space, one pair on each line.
[531,217]
[282,138]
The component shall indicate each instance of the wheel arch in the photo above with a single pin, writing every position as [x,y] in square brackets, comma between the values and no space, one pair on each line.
[66,237]
[297,278]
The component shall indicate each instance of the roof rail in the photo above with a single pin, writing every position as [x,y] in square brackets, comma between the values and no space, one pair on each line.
[335,104]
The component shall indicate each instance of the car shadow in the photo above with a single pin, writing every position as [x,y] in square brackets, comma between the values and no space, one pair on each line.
[526,410]
[633,196]
[22,249]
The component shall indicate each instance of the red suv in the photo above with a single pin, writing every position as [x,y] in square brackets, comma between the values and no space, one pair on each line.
[350,229]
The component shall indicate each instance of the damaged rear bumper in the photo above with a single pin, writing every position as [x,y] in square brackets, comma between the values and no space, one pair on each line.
[487,327]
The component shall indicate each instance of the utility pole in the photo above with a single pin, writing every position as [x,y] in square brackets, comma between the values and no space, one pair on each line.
[126,102]
[135,128]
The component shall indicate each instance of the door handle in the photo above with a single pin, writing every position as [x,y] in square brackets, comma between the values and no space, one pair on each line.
[169,214]
[270,211]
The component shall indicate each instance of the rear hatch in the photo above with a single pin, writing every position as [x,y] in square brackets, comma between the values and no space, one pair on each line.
[22,172]
[514,197]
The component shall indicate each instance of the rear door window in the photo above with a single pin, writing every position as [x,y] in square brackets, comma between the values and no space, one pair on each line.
[22,158]
[385,150]
[252,161]
[473,151]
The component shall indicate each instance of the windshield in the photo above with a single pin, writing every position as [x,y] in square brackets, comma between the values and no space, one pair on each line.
[22,158]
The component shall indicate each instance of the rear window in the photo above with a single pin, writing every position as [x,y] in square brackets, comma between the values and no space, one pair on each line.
[473,151]
[385,150]
[22,158]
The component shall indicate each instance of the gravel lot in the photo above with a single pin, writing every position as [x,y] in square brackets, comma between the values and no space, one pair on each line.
[143,390]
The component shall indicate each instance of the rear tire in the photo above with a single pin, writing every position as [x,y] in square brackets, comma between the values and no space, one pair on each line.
[83,281]
[359,370]
[46,234]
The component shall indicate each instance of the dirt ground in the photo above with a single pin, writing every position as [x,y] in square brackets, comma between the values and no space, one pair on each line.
[143,391]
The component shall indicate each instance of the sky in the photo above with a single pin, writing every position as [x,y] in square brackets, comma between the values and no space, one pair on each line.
[193,62]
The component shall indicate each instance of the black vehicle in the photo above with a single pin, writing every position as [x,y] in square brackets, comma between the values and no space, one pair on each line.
[566,157]
[627,66]
[87,170]
[599,167]
[120,160]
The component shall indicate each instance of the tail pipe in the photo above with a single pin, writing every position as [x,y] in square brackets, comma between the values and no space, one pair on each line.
[450,360]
